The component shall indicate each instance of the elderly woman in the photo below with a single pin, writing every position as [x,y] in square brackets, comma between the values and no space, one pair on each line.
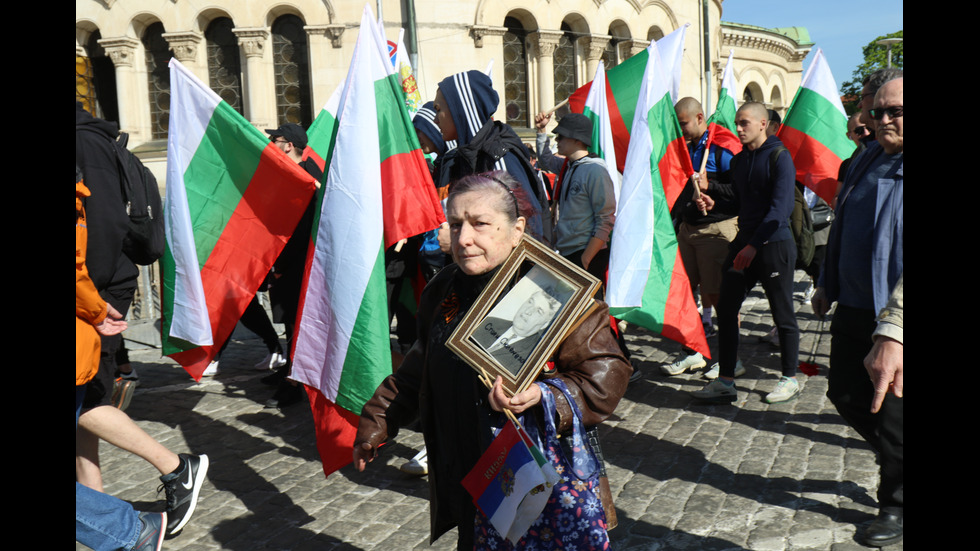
[487,217]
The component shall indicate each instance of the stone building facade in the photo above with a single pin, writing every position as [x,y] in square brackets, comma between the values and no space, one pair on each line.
[279,61]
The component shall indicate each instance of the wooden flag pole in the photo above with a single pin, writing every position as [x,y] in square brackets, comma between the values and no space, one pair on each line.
[704,163]
[557,107]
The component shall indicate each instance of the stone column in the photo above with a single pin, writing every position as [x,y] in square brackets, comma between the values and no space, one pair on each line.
[122,51]
[596,46]
[634,46]
[186,47]
[260,104]
[544,43]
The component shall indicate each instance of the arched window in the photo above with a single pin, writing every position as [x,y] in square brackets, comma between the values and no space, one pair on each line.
[752,92]
[224,63]
[564,59]
[158,54]
[291,61]
[95,81]
[613,55]
[515,73]
[776,98]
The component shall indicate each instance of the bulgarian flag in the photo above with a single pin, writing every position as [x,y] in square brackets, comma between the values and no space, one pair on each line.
[377,191]
[597,111]
[814,130]
[233,200]
[724,114]
[622,90]
[721,123]
[648,285]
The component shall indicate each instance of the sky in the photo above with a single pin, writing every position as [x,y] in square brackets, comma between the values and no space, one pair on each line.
[841,28]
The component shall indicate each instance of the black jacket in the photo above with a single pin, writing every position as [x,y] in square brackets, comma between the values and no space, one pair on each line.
[108,222]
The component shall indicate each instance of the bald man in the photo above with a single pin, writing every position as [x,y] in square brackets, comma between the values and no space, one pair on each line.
[864,264]
[764,251]
[703,239]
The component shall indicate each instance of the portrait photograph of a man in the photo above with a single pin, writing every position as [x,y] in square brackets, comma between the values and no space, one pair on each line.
[514,327]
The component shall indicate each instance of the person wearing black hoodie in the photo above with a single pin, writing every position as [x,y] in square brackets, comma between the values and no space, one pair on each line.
[463,105]
[115,277]
[763,251]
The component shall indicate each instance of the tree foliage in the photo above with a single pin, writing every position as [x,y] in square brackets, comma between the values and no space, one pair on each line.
[875,57]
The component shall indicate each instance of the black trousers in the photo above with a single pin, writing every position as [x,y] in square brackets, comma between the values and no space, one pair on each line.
[773,267]
[257,321]
[851,391]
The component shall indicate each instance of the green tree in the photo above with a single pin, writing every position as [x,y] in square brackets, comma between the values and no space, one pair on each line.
[875,57]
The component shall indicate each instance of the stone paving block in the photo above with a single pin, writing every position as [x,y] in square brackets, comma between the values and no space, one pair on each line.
[684,475]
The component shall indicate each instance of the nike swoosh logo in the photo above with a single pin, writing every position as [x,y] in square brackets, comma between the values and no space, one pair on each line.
[190,479]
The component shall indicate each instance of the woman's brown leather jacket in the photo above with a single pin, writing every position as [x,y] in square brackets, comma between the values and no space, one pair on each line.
[589,360]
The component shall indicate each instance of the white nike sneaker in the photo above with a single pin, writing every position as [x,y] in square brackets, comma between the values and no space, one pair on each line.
[688,363]
[715,370]
[418,465]
[211,370]
[271,361]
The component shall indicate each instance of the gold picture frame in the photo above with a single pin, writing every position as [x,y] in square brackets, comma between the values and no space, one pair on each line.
[533,302]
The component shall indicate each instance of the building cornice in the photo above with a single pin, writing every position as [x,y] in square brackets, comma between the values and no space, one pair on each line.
[762,39]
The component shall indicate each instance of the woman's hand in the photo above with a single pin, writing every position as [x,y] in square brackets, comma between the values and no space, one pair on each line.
[519,403]
[363,455]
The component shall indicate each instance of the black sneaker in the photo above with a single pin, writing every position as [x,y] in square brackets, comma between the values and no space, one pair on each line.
[152,531]
[285,396]
[183,487]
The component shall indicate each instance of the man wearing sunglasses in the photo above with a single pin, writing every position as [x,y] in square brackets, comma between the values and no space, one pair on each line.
[857,131]
[863,266]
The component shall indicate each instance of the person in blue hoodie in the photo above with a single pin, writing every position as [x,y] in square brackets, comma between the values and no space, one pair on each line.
[763,251]
[463,105]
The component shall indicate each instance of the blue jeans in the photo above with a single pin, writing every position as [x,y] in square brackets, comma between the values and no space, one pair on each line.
[103,522]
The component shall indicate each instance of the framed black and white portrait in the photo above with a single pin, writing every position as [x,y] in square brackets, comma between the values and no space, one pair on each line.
[534,301]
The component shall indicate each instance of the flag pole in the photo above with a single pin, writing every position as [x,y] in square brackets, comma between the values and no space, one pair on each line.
[557,107]
[485,377]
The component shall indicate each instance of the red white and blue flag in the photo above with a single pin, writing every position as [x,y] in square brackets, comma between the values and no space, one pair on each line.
[511,483]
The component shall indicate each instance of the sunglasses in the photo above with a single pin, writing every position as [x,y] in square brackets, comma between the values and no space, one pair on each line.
[892,112]
[860,130]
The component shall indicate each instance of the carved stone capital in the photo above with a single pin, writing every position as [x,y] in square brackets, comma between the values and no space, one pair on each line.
[184,45]
[545,42]
[334,32]
[252,39]
[596,45]
[121,50]
[478,32]
[635,46]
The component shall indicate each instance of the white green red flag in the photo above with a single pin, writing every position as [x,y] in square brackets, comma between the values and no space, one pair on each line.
[623,88]
[648,285]
[597,111]
[233,200]
[377,191]
[721,123]
[724,114]
[814,130]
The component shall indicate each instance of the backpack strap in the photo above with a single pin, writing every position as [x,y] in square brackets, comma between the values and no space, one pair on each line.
[774,157]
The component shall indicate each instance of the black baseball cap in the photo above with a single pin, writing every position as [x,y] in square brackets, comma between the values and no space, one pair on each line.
[292,132]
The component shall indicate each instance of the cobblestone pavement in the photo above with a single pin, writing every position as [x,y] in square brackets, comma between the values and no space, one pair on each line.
[684,475]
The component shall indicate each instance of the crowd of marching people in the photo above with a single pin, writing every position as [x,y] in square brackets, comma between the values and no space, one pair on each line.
[734,224]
